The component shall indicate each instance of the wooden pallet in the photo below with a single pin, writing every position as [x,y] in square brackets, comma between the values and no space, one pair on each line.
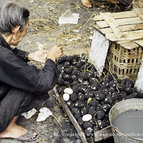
[125,28]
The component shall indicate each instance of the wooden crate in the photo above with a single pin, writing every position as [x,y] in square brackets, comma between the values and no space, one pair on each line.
[125,31]
[100,135]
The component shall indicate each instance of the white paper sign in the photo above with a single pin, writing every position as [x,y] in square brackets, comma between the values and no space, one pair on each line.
[98,51]
[139,81]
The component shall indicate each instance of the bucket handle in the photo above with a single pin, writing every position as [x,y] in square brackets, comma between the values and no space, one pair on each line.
[117,130]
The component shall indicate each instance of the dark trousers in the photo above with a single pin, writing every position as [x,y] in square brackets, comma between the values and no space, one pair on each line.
[15,103]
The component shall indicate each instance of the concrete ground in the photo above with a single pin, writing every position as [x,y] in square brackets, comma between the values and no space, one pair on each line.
[44,32]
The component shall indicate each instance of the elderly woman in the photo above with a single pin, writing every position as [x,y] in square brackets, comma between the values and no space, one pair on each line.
[22,86]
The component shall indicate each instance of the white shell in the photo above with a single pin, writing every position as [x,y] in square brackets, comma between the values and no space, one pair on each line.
[44,114]
[68,90]
[66,97]
[86,117]
[29,114]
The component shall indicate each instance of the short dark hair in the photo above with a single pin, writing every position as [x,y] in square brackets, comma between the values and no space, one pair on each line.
[12,15]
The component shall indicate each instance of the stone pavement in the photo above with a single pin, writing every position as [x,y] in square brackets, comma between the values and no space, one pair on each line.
[43,33]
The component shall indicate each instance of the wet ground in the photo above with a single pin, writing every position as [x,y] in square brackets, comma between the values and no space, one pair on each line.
[43,33]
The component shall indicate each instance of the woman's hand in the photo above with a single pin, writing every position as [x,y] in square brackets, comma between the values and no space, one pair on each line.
[38,56]
[42,55]
[55,52]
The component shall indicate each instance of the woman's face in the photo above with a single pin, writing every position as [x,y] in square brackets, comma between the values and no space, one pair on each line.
[17,37]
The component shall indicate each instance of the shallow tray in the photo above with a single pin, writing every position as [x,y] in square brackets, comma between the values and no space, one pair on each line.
[100,135]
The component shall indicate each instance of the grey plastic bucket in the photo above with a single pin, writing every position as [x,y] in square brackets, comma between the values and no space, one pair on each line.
[117,109]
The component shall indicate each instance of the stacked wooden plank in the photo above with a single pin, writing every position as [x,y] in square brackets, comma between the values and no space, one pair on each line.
[122,27]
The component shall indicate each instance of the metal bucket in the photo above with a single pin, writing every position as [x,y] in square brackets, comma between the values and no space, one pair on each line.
[117,109]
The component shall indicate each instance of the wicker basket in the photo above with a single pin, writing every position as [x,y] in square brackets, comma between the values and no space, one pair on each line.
[124,62]
[124,30]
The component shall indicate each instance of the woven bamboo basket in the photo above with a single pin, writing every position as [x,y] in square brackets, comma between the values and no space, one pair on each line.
[124,62]
[124,30]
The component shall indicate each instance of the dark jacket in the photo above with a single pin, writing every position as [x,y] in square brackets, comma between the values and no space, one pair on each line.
[16,73]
